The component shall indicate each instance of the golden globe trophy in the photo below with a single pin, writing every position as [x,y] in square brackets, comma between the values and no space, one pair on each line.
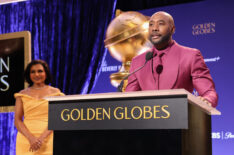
[126,37]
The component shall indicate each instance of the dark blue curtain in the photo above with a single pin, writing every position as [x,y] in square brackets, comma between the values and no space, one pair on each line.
[7,134]
[68,35]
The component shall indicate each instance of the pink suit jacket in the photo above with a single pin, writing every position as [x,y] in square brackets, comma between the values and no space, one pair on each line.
[183,67]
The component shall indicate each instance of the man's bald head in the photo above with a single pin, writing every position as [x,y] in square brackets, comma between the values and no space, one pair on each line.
[164,15]
[161,29]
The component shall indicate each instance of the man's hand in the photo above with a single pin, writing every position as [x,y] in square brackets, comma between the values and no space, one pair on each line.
[204,100]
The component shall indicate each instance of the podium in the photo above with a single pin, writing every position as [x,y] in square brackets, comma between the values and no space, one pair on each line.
[163,122]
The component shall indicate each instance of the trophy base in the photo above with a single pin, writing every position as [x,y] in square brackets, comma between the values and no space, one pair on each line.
[116,78]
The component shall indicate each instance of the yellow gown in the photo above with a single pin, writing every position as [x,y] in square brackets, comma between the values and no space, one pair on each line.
[36,120]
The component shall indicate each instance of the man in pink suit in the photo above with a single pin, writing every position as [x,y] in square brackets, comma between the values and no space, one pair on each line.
[173,66]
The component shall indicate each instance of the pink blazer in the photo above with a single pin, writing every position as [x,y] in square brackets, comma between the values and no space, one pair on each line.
[183,67]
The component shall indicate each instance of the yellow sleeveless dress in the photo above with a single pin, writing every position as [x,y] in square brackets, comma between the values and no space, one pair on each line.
[36,120]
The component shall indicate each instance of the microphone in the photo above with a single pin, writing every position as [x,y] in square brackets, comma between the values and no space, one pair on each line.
[148,56]
[159,69]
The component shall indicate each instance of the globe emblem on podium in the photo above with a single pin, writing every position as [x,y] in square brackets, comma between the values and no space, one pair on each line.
[126,37]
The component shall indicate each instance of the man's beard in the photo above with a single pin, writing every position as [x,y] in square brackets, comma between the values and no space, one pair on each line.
[163,39]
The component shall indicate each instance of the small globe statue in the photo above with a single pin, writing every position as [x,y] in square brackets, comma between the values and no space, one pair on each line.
[126,37]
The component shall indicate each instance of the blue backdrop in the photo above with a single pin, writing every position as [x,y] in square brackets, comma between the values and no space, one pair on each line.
[207,26]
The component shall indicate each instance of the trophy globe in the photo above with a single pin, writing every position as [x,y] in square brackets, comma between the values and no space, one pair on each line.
[126,37]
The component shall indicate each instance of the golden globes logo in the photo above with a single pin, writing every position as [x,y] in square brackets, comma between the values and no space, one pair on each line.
[4,68]
[118,113]
[205,28]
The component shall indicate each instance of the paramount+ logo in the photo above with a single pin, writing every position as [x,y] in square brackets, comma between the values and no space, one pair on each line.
[223,135]
[205,28]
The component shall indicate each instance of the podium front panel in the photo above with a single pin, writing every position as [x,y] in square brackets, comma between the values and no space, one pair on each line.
[155,112]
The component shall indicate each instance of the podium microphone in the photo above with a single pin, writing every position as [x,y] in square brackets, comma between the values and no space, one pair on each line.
[148,56]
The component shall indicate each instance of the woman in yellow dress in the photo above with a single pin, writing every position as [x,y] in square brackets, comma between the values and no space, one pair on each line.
[31,111]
